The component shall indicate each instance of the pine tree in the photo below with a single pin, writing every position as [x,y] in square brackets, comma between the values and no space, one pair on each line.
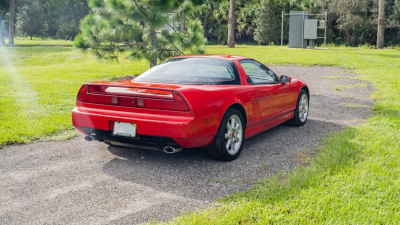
[140,27]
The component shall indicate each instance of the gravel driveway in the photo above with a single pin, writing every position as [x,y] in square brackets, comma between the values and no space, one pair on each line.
[79,182]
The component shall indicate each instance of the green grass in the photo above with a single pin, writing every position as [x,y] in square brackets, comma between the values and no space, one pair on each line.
[354,177]
[347,87]
[39,81]
[351,105]
[332,77]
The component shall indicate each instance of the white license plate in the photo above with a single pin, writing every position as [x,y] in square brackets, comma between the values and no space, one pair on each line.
[124,129]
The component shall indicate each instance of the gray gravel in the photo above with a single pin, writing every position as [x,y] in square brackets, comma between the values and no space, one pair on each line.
[79,182]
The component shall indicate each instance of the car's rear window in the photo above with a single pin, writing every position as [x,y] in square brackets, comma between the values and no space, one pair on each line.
[192,71]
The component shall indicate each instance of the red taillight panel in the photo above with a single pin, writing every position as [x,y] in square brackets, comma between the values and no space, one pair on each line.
[152,98]
[177,104]
[82,96]
[127,101]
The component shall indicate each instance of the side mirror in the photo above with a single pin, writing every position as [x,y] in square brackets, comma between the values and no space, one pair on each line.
[285,79]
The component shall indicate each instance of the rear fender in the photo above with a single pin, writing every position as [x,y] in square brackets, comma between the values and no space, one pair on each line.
[209,106]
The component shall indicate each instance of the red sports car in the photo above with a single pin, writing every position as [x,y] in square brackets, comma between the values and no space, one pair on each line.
[213,101]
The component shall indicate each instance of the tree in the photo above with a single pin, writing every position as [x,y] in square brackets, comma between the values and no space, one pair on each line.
[4,6]
[63,16]
[31,21]
[269,21]
[381,24]
[353,22]
[1,32]
[231,25]
[11,23]
[142,28]
[246,21]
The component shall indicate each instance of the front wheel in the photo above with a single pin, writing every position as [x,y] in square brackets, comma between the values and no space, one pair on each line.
[229,140]
[301,111]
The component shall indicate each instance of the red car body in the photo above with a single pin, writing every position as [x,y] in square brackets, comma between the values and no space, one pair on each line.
[263,106]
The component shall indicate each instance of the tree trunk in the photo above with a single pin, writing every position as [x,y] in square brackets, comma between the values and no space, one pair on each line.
[1,32]
[231,25]
[75,18]
[184,22]
[11,23]
[153,60]
[381,25]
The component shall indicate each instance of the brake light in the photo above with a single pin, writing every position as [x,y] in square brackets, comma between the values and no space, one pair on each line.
[97,89]
[82,96]
[178,103]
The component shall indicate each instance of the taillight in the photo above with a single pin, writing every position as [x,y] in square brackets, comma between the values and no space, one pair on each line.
[82,94]
[99,94]
[178,103]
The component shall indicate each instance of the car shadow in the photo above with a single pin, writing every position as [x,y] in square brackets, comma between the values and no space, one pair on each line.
[192,174]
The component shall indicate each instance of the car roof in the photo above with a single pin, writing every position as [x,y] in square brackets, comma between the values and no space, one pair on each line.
[214,56]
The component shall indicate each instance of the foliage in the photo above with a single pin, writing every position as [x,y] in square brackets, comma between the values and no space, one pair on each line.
[3,9]
[63,17]
[355,22]
[269,21]
[31,21]
[214,16]
[141,28]
[246,21]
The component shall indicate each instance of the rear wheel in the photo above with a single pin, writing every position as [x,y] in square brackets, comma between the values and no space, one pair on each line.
[301,111]
[228,142]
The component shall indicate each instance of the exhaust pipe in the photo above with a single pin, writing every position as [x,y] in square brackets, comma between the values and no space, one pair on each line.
[172,150]
[89,138]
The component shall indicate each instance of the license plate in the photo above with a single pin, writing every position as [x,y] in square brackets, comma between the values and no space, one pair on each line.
[124,129]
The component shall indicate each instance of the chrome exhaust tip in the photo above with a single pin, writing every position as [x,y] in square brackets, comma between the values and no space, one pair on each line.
[89,138]
[172,150]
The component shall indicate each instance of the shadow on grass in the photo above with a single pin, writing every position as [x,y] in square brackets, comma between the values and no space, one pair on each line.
[384,55]
[38,45]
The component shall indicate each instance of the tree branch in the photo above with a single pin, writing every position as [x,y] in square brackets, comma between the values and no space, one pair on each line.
[137,5]
[172,27]
[173,44]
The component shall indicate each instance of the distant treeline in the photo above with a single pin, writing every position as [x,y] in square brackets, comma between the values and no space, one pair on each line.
[257,21]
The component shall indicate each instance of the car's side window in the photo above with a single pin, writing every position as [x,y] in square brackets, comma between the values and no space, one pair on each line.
[258,73]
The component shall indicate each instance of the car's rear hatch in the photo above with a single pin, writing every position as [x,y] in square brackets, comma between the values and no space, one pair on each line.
[132,96]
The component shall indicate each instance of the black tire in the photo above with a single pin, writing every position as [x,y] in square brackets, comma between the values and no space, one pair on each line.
[297,120]
[218,150]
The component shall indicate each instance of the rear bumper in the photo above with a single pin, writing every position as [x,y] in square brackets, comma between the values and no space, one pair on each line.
[179,129]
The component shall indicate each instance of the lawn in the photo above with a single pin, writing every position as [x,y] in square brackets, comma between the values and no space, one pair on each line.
[39,81]
[353,179]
